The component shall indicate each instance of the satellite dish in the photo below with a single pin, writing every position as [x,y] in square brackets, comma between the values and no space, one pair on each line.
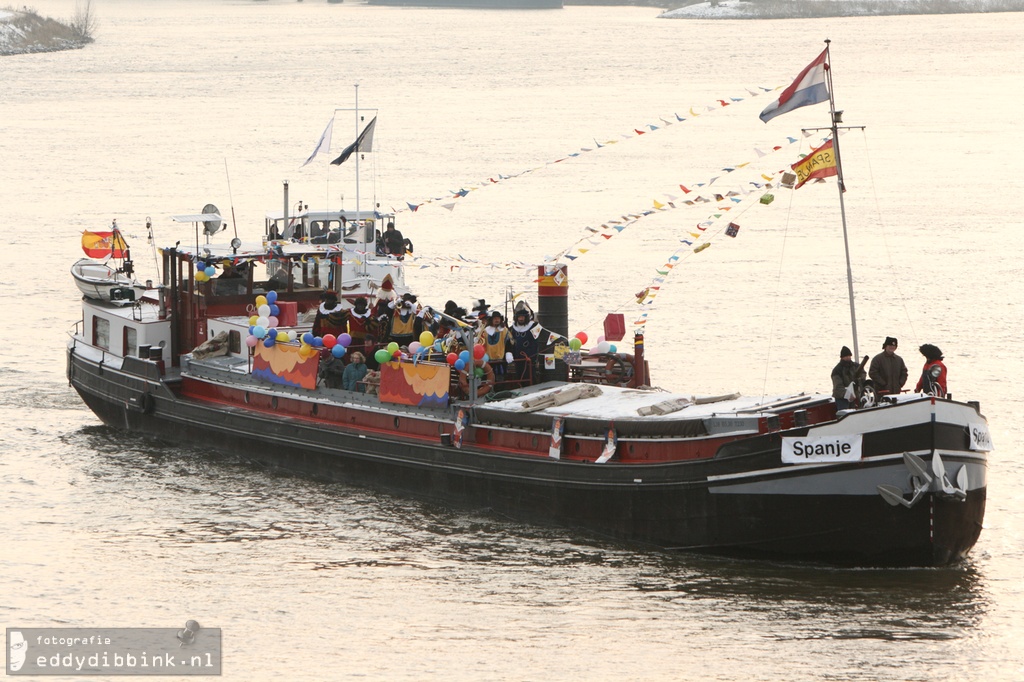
[211,227]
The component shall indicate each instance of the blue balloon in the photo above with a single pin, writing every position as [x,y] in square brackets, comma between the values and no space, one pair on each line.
[274,310]
[210,271]
[308,338]
[317,342]
[338,351]
[259,332]
[271,298]
[437,346]
[251,328]
[464,356]
[269,341]
[460,364]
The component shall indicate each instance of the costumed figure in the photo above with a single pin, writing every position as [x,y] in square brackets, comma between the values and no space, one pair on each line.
[528,338]
[933,376]
[362,327]
[497,342]
[406,326]
[331,316]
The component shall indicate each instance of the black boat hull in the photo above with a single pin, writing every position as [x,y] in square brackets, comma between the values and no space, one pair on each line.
[741,503]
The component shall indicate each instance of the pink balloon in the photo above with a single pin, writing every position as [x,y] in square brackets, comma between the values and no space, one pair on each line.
[272,321]
[251,341]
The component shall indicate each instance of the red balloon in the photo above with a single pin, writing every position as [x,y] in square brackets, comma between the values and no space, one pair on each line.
[330,340]
[451,358]
[582,336]
[478,352]
[397,355]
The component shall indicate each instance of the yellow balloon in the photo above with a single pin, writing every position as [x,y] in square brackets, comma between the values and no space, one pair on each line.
[253,320]
[282,337]
[426,339]
[261,300]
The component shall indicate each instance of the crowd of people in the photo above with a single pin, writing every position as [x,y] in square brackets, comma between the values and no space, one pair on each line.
[511,352]
[886,374]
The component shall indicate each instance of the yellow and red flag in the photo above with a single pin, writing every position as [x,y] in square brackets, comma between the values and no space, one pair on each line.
[820,163]
[103,244]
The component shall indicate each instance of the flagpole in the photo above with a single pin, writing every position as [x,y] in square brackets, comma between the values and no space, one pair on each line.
[837,118]
[357,150]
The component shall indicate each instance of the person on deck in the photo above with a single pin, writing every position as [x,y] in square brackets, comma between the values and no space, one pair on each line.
[355,371]
[331,316]
[362,327]
[933,376]
[394,242]
[527,339]
[484,372]
[888,372]
[497,342]
[847,378]
[406,325]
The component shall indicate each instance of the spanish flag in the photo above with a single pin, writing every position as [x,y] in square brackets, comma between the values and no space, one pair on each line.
[820,163]
[103,244]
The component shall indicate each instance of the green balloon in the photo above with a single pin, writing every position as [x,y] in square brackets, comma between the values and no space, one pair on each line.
[381,356]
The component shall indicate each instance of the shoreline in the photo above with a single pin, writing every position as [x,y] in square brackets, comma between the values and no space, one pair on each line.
[25,32]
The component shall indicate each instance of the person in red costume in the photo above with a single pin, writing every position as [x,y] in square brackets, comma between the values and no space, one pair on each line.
[933,376]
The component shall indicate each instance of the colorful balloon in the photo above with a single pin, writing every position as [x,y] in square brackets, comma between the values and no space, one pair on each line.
[254,320]
[274,310]
[271,297]
[338,351]
[261,300]
[392,348]
[210,271]
[575,344]
[264,310]
[251,341]
[478,352]
[414,347]
[460,364]
[307,338]
[381,356]
[582,336]
[345,340]
[259,331]
[269,341]
[330,340]
[452,358]
[426,339]
[273,321]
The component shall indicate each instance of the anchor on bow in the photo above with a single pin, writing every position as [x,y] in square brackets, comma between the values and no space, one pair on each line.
[925,481]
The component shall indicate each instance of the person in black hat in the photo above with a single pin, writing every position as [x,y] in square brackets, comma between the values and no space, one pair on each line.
[847,380]
[331,316]
[406,325]
[888,372]
[933,376]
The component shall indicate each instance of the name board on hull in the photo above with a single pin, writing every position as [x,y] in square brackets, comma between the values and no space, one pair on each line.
[981,439]
[806,449]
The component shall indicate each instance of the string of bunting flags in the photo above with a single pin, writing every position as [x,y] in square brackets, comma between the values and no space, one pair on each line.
[647,295]
[448,201]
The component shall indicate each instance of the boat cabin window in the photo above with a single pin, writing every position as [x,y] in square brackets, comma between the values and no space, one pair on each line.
[234,342]
[101,332]
[130,341]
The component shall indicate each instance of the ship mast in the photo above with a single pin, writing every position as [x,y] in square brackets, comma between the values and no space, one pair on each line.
[837,118]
